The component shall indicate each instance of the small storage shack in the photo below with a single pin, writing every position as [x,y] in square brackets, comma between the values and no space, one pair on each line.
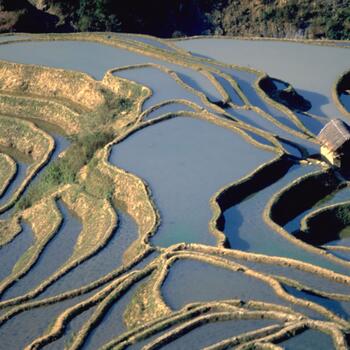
[335,143]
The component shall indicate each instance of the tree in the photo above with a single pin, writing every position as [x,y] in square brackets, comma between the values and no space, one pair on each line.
[96,15]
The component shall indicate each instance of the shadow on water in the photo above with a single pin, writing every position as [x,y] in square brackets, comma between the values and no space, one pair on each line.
[179,160]
[195,54]
[345,255]
[233,221]
[345,99]
[317,101]
[57,251]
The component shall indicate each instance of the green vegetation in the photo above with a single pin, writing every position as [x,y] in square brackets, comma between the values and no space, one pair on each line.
[65,169]
[97,183]
[96,15]
[273,18]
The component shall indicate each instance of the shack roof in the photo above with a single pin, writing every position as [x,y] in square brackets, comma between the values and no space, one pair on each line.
[334,134]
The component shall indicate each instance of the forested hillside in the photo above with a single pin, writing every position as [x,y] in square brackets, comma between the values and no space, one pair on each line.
[171,18]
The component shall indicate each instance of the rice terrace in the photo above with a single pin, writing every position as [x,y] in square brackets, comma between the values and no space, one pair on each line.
[189,193]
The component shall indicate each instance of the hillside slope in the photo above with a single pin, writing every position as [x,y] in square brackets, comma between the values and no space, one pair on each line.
[272,18]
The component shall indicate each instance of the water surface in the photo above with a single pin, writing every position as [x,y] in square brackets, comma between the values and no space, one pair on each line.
[311,69]
[345,99]
[309,339]
[246,229]
[163,86]
[185,161]
[94,59]
[57,251]
[105,261]
[11,252]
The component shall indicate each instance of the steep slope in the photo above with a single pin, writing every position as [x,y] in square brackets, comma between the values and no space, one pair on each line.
[272,18]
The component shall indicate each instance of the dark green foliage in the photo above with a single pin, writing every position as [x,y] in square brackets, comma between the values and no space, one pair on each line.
[314,19]
[338,25]
[96,15]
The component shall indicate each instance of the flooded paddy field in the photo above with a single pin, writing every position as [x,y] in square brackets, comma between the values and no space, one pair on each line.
[311,69]
[176,168]
[151,221]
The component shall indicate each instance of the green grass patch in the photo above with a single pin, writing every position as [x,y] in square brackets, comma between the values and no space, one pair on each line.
[97,183]
[65,170]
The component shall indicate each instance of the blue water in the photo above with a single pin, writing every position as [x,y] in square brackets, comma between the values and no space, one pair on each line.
[247,231]
[341,308]
[163,86]
[311,69]
[345,99]
[57,251]
[10,253]
[309,339]
[15,183]
[210,334]
[105,261]
[185,161]
[191,281]
[94,59]
[25,327]
[338,197]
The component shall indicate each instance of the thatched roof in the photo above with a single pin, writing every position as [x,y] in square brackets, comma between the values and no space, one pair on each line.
[334,134]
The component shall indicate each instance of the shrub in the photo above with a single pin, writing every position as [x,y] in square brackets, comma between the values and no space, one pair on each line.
[64,170]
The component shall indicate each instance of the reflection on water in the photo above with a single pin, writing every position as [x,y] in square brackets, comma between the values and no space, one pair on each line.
[185,161]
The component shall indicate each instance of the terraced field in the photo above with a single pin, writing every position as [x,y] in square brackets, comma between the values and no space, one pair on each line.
[159,194]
